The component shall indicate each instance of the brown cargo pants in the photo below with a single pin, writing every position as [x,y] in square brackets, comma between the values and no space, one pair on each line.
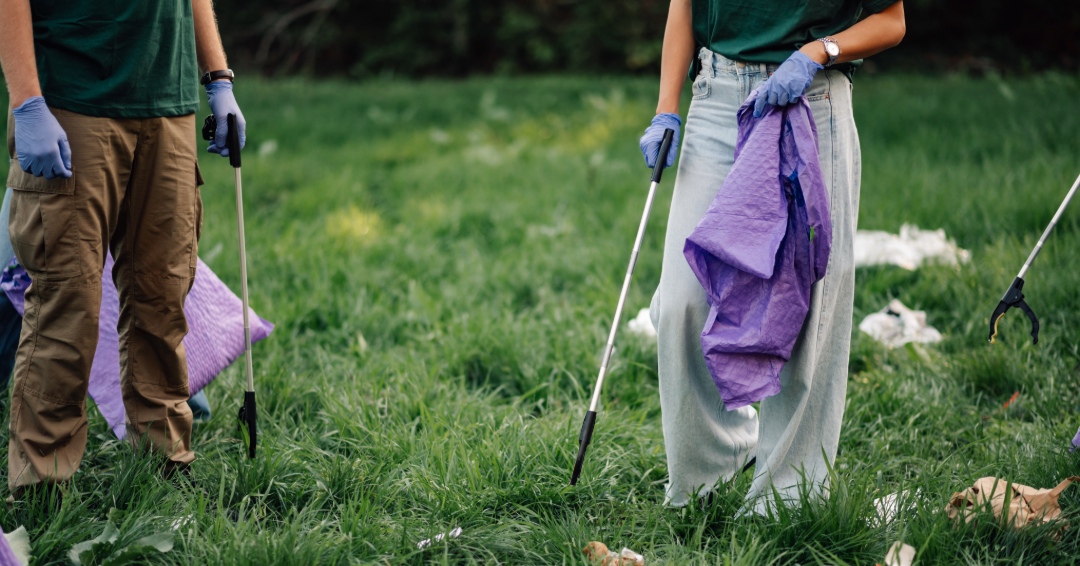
[134,191]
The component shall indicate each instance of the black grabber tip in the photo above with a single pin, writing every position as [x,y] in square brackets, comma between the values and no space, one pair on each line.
[583,444]
[1014,298]
[247,420]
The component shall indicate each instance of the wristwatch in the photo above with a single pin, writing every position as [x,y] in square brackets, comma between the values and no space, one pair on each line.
[832,49]
[215,75]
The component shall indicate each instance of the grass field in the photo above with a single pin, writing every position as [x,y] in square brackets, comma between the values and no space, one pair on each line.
[441,260]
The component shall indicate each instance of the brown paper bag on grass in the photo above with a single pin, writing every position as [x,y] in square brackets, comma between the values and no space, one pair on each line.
[1013,504]
[598,553]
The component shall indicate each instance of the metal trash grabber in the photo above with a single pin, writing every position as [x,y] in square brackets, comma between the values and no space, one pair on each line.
[1013,297]
[590,417]
[232,142]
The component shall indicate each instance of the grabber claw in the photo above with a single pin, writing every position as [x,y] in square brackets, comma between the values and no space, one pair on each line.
[1014,298]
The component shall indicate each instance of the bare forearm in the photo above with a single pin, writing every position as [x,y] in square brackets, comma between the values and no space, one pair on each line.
[873,35]
[207,39]
[17,51]
[678,53]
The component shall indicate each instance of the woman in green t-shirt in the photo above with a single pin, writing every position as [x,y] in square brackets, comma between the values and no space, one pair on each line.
[791,49]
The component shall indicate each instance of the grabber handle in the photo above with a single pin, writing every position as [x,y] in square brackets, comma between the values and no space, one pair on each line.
[661,156]
[209,128]
[232,141]
[232,137]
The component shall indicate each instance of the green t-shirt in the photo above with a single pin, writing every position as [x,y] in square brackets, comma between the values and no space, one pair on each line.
[117,59]
[768,31]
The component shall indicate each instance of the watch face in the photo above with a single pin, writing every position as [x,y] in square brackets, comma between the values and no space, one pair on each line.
[832,49]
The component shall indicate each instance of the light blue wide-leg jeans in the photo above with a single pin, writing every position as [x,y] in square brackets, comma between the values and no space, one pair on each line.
[799,428]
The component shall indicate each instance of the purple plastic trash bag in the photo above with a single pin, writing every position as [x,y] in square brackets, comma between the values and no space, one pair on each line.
[215,336]
[763,242]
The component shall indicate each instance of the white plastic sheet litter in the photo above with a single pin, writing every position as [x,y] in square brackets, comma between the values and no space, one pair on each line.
[896,325]
[899,554]
[454,533]
[909,249]
[642,325]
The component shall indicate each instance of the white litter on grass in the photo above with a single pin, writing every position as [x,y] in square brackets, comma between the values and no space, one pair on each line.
[888,507]
[181,522]
[456,532]
[599,554]
[896,325]
[642,325]
[19,542]
[267,148]
[632,557]
[909,249]
[899,554]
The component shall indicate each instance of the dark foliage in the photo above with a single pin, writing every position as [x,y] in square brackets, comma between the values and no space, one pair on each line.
[363,38]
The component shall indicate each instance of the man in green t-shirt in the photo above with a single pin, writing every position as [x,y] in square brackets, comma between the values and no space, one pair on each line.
[103,158]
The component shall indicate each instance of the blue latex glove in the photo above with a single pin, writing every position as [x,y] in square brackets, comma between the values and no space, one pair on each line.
[40,143]
[788,83]
[654,135]
[219,95]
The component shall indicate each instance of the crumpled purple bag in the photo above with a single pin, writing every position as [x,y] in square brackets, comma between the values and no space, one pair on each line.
[215,337]
[763,242]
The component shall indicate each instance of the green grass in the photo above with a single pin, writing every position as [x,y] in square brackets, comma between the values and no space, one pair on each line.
[441,260]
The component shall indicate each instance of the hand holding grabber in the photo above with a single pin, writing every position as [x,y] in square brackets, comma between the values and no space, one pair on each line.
[232,141]
[590,417]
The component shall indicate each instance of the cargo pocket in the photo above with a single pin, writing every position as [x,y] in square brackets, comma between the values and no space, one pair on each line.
[43,227]
[194,261]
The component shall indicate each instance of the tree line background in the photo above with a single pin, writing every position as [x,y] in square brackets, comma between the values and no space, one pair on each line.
[414,38]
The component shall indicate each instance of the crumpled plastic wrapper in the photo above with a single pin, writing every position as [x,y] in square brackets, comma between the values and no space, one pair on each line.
[891,505]
[642,325]
[909,249]
[896,325]
[598,553]
[456,532]
[1019,504]
[899,554]
[15,547]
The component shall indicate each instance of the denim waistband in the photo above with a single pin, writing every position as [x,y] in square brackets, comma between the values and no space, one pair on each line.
[715,63]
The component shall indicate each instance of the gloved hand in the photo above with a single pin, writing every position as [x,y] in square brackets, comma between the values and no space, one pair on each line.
[219,95]
[654,135]
[40,143]
[788,83]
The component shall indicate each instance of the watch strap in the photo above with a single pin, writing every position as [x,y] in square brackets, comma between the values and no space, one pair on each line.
[212,76]
[826,41]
